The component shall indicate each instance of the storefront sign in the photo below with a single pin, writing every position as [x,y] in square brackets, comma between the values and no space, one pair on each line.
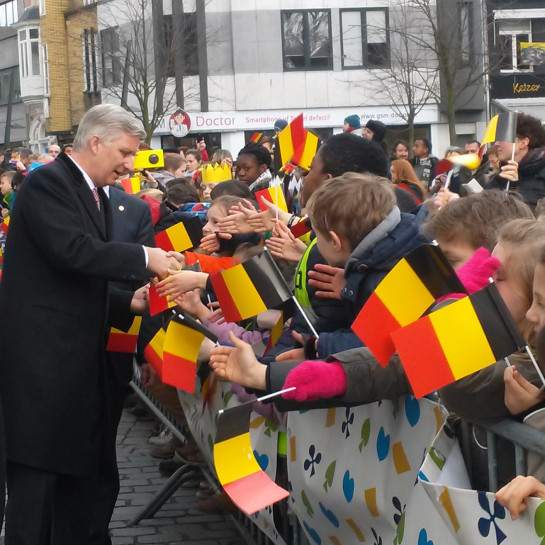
[517,86]
[313,118]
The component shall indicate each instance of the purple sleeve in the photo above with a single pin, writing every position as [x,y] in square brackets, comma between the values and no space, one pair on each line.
[222,331]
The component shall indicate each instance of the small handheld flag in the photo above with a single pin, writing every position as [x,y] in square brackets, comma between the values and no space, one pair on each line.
[181,236]
[250,488]
[124,341]
[404,294]
[297,144]
[181,347]
[250,288]
[501,128]
[457,340]
[154,352]
[273,194]
[158,304]
[132,184]
[256,137]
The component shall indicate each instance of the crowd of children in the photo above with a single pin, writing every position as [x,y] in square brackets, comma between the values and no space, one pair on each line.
[364,213]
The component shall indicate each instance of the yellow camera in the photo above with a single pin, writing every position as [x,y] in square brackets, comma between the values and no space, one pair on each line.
[152,158]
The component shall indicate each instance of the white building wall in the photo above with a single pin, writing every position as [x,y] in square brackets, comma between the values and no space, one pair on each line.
[247,82]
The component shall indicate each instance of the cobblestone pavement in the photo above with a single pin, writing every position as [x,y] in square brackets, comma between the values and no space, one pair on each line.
[178,521]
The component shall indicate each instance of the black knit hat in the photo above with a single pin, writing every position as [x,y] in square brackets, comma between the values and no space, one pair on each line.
[378,128]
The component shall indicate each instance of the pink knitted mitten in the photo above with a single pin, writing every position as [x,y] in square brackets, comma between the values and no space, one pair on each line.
[314,380]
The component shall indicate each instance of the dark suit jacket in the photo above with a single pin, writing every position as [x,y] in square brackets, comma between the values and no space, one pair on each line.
[131,223]
[54,299]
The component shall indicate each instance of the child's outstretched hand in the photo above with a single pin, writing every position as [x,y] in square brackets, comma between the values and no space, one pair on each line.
[180,282]
[238,364]
[315,380]
[475,274]
[520,394]
[329,280]
[211,243]
[284,245]
[514,494]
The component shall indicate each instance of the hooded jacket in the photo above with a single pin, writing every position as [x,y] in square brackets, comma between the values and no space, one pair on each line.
[531,182]
[376,254]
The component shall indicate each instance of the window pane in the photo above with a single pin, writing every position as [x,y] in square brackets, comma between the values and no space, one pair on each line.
[35,58]
[318,25]
[9,13]
[521,38]
[22,35]
[376,27]
[515,25]
[294,50]
[34,33]
[377,55]
[352,38]
[505,52]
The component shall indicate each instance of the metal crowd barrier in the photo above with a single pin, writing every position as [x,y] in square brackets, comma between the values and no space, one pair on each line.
[521,437]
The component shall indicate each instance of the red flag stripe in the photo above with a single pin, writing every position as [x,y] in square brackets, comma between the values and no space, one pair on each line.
[155,360]
[162,240]
[156,304]
[179,372]
[228,305]
[424,360]
[374,329]
[122,342]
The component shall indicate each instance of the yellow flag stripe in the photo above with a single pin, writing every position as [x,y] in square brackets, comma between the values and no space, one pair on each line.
[182,341]
[133,330]
[311,146]
[490,132]
[179,237]
[235,459]
[285,143]
[277,197]
[404,303]
[243,292]
[475,352]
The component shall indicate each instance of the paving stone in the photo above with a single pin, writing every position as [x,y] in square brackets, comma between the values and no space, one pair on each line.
[178,522]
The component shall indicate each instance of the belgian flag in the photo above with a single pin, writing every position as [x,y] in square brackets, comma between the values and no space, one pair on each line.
[501,128]
[158,304]
[406,292]
[131,185]
[154,352]
[181,346]
[457,340]
[274,194]
[242,478]
[181,236]
[297,144]
[250,288]
[125,341]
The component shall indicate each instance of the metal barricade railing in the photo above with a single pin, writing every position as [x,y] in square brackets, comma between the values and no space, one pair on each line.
[521,437]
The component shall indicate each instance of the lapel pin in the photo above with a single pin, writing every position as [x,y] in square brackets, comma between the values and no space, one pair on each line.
[121,207]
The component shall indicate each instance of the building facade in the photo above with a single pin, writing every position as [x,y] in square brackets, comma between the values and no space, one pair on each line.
[517,70]
[241,65]
[13,112]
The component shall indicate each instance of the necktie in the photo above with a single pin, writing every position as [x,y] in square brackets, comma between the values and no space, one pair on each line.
[97,198]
